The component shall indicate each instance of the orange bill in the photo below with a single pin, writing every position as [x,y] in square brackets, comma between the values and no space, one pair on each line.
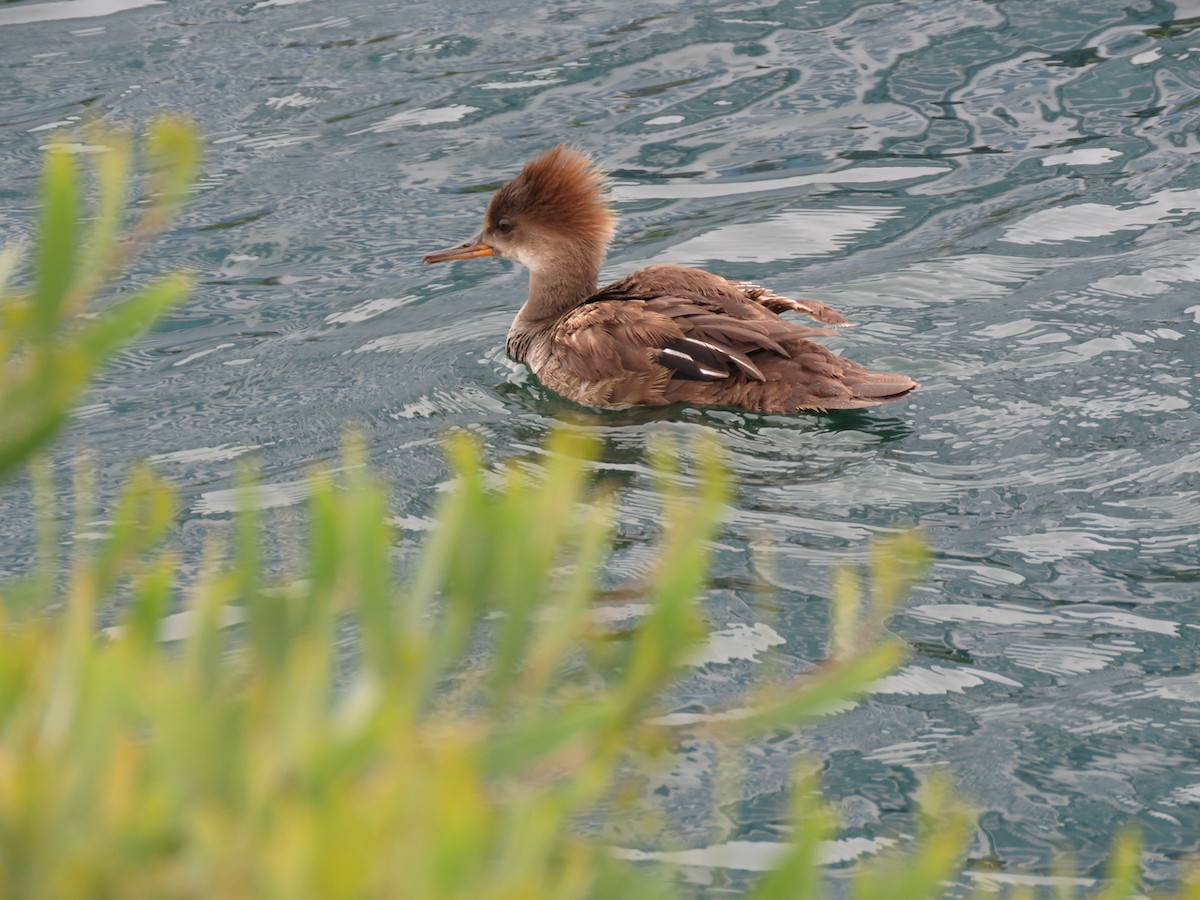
[468,249]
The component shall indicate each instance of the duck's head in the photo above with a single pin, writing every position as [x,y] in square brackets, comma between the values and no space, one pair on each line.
[551,215]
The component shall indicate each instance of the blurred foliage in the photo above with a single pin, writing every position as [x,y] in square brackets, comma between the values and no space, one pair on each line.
[487,710]
[50,345]
[217,743]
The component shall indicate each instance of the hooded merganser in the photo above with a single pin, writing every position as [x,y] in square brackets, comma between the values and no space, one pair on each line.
[666,333]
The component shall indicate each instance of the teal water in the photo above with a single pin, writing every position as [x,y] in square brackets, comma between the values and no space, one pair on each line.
[1003,195]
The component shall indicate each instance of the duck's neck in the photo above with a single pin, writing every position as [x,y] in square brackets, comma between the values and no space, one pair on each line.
[554,290]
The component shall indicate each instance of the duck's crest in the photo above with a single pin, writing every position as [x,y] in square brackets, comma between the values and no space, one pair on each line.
[562,189]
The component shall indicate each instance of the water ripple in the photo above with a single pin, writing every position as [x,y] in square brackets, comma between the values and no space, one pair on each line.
[1003,199]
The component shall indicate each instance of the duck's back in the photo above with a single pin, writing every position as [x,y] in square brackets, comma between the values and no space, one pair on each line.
[673,334]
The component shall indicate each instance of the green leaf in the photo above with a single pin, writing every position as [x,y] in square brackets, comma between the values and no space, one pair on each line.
[57,238]
[821,691]
[946,827]
[112,329]
[1124,867]
[112,167]
[173,154]
[799,872]
[9,257]
[16,450]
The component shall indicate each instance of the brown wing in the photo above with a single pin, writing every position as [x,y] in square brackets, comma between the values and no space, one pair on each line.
[715,345]
[692,337]
[718,348]
[735,297]
[814,309]
[811,377]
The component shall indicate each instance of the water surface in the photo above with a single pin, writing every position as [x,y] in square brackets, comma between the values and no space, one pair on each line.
[1003,195]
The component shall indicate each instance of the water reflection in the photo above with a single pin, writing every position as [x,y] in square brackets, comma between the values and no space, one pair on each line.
[1004,201]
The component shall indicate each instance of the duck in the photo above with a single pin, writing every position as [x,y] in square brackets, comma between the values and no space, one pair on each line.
[666,334]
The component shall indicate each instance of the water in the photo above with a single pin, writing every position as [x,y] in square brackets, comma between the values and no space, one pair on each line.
[1004,196]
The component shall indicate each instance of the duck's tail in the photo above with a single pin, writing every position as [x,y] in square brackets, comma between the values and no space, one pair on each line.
[867,388]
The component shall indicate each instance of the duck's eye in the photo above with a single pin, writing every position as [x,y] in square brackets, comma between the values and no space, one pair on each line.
[505,226]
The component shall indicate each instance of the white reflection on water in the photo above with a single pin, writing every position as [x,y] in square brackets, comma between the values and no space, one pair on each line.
[370,309]
[266,496]
[1153,280]
[180,625]
[1184,688]
[755,856]
[951,279]
[936,680]
[737,641]
[697,190]
[416,117]
[1187,794]
[1012,614]
[1082,156]
[1088,220]
[1057,881]
[1062,543]
[517,85]
[1055,658]
[492,325]
[787,235]
[69,9]
[220,453]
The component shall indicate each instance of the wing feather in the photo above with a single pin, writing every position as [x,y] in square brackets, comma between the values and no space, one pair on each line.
[743,299]
[671,333]
[682,334]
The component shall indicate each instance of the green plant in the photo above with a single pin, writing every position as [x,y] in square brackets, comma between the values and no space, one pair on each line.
[50,345]
[218,743]
[235,765]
